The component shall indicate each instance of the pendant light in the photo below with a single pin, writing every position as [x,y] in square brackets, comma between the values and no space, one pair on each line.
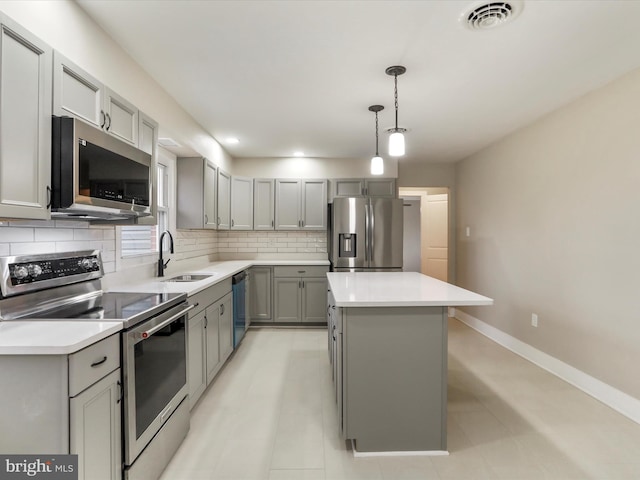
[377,164]
[396,139]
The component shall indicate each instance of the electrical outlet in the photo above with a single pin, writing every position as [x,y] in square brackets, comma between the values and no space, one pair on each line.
[534,320]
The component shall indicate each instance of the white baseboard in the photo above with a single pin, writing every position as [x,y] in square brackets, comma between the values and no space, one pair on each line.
[418,453]
[614,398]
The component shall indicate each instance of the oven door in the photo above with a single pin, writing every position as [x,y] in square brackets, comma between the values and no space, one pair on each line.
[155,376]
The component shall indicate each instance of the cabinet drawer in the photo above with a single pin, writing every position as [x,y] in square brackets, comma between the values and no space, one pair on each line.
[209,295]
[89,365]
[300,271]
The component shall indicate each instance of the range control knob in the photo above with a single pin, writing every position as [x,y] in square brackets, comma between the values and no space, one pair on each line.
[21,272]
[86,263]
[35,270]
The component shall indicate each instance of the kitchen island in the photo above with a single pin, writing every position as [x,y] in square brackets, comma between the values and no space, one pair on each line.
[388,348]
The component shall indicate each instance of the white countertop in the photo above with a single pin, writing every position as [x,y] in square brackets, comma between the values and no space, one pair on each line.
[61,337]
[398,289]
[55,337]
[218,271]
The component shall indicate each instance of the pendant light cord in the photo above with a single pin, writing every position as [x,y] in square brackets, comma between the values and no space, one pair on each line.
[377,135]
[395,91]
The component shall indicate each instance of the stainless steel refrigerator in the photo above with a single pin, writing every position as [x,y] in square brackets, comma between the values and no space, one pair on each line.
[365,234]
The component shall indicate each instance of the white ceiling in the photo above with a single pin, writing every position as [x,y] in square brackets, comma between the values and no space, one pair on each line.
[300,75]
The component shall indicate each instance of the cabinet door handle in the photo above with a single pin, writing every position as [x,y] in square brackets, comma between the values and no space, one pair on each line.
[48,197]
[222,309]
[206,321]
[206,218]
[108,118]
[302,283]
[272,223]
[218,220]
[232,222]
[103,118]
[120,394]
[99,362]
[302,223]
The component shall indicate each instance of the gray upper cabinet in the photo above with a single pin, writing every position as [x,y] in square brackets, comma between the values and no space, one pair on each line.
[241,203]
[380,187]
[363,187]
[301,204]
[25,122]
[287,204]
[148,142]
[210,195]
[264,197]
[224,200]
[78,94]
[122,117]
[314,204]
[196,193]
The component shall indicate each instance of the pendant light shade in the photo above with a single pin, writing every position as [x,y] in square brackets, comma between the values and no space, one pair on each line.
[396,139]
[396,144]
[377,164]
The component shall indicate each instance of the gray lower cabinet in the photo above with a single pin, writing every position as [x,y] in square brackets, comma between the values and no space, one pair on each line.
[260,294]
[95,426]
[299,294]
[25,122]
[209,336]
[66,404]
[196,356]
[404,349]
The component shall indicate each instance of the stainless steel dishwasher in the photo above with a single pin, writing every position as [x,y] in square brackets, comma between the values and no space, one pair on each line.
[239,288]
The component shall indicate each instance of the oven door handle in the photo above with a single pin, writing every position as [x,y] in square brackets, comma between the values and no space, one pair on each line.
[147,333]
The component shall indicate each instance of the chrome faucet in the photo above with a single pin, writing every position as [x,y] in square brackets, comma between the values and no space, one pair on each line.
[162,264]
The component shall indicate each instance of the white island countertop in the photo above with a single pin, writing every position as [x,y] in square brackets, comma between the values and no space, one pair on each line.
[398,289]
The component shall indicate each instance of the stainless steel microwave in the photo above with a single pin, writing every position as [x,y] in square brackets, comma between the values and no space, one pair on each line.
[95,176]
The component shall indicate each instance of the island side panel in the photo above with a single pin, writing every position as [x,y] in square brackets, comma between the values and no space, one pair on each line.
[395,378]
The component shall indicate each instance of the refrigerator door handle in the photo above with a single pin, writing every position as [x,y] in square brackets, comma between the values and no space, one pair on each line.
[372,231]
[366,234]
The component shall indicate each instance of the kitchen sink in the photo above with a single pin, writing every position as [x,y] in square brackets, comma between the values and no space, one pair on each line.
[188,278]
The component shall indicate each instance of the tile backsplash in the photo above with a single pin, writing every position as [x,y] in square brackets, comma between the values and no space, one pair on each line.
[24,237]
[21,237]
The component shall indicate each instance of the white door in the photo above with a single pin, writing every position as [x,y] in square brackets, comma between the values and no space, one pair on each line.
[436,256]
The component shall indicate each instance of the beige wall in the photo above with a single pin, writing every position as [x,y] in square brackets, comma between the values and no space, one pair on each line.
[289,167]
[554,213]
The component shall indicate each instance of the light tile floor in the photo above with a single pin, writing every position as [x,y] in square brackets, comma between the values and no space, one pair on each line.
[271,415]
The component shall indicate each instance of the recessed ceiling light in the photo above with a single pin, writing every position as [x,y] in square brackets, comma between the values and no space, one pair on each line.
[232,140]
[298,154]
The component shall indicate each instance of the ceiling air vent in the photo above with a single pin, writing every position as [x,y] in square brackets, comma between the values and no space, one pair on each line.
[491,15]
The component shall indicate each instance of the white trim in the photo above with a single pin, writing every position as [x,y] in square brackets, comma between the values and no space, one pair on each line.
[418,453]
[610,396]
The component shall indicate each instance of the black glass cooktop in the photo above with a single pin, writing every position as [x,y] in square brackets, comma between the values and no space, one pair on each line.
[127,307]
